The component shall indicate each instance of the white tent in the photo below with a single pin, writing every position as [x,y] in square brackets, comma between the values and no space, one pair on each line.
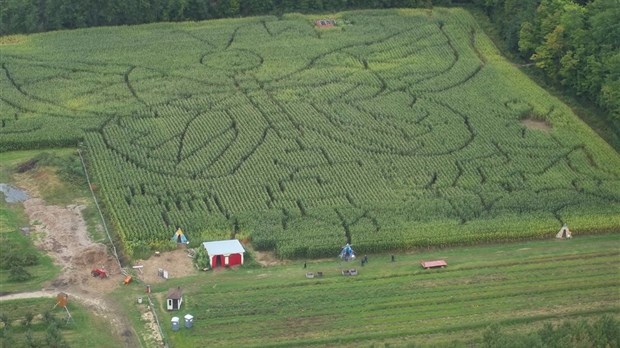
[564,232]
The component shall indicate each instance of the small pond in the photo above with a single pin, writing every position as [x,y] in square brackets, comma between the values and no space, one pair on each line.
[12,194]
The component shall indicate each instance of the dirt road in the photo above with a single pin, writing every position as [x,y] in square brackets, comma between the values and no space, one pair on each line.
[61,233]
[26,295]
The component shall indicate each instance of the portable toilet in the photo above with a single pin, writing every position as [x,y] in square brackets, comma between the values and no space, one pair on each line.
[175,323]
[189,320]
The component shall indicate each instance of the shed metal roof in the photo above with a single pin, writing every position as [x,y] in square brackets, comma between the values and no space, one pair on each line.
[224,247]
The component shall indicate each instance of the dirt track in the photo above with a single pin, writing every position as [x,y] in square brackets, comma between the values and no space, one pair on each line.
[30,294]
[90,302]
[61,233]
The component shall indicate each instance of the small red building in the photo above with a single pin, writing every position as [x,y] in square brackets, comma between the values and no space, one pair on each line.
[224,252]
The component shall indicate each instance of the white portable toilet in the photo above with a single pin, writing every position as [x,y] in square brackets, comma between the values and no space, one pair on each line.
[175,323]
[189,320]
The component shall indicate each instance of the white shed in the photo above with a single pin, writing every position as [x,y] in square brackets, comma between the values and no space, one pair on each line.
[174,299]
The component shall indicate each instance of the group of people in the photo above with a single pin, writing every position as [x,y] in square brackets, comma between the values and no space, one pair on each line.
[364,260]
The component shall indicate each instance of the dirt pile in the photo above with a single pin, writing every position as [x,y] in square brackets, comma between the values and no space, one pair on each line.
[96,255]
[61,231]
[536,124]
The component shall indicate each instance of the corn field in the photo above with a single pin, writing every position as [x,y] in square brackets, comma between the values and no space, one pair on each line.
[395,129]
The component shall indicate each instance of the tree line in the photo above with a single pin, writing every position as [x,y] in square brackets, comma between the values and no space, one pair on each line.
[29,16]
[574,43]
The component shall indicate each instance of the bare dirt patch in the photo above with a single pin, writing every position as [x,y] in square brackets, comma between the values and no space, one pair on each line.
[37,180]
[177,262]
[264,258]
[61,232]
[536,124]
[12,39]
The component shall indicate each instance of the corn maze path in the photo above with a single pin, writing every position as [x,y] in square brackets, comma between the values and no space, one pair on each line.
[307,138]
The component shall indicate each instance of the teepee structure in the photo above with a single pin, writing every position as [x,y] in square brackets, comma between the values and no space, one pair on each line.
[179,237]
[564,233]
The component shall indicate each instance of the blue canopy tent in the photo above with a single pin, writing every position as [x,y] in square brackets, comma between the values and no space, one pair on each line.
[347,253]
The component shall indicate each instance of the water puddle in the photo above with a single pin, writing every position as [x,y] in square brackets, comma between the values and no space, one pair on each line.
[12,194]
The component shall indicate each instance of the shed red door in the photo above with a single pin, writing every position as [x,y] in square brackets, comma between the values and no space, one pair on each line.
[234,259]
[217,261]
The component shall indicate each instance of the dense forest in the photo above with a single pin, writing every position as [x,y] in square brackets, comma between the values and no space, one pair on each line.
[575,43]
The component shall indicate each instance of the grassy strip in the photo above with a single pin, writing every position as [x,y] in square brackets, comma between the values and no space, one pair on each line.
[518,285]
[11,219]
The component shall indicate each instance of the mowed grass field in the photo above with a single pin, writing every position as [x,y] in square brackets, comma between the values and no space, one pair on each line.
[396,129]
[520,286]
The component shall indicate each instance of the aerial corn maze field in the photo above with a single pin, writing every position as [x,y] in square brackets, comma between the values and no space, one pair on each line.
[395,129]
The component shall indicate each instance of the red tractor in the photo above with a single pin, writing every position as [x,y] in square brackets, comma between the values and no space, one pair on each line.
[99,272]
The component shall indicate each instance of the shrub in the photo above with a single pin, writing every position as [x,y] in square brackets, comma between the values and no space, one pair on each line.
[17,273]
